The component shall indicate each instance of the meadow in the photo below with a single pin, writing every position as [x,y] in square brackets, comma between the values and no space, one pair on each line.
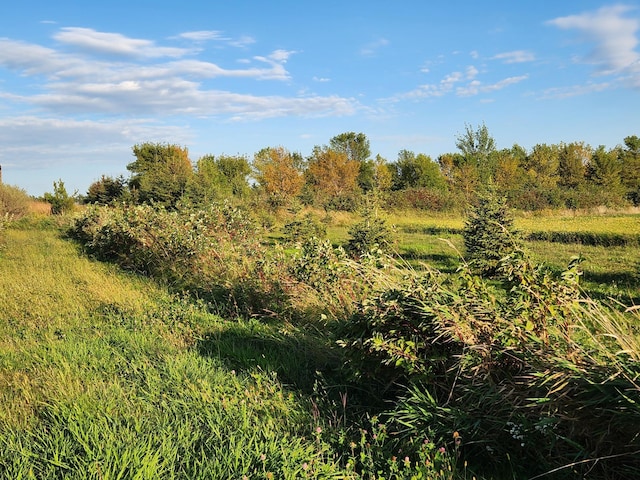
[132,348]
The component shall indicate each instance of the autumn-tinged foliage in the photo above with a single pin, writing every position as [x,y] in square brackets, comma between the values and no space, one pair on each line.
[333,177]
[280,173]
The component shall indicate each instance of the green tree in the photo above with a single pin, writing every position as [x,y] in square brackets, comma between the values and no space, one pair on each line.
[509,176]
[603,172]
[208,183]
[236,171]
[572,164]
[462,176]
[61,202]
[160,173]
[476,147]
[106,190]
[417,171]
[630,168]
[356,147]
[541,177]
[488,233]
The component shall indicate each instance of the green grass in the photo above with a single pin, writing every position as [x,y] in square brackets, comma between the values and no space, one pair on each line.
[610,269]
[100,377]
[107,375]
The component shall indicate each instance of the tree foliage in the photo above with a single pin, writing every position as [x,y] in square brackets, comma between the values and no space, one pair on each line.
[61,202]
[160,173]
[333,177]
[106,190]
[488,233]
[417,171]
[279,173]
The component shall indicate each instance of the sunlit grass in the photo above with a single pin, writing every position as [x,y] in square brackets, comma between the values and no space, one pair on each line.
[107,375]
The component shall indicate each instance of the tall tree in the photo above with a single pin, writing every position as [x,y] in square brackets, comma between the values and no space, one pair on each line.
[572,164]
[106,190]
[236,171]
[356,147]
[630,173]
[279,173]
[333,176]
[417,171]
[603,172]
[160,172]
[476,146]
[509,176]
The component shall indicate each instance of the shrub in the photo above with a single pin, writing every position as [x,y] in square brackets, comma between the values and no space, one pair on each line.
[370,234]
[60,200]
[303,229]
[14,202]
[531,375]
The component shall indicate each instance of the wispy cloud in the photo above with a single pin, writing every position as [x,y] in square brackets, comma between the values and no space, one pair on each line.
[476,87]
[201,36]
[516,56]
[370,49]
[614,38]
[75,141]
[460,83]
[93,41]
[557,93]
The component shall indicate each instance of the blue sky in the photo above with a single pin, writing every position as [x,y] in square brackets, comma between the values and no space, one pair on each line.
[82,82]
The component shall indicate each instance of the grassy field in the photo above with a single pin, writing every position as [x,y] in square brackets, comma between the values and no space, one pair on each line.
[105,374]
[610,270]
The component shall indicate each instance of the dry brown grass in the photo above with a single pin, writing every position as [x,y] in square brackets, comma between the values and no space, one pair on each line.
[39,208]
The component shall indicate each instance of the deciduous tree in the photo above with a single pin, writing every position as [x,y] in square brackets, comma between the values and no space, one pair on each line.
[333,177]
[279,173]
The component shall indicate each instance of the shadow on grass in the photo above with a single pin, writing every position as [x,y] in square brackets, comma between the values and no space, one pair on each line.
[626,286]
[311,364]
[295,359]
[439,261]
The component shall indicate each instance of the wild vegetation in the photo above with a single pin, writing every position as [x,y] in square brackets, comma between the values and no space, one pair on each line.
[202,327]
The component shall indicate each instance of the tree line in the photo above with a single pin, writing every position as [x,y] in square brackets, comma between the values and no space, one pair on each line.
[337,176]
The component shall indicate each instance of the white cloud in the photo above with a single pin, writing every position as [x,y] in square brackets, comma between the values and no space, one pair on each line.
[614,39]
[34,142]
[516,56]
[80,84]
[476,87]
[114,43]
[462,84]
[203,35]
[574,90]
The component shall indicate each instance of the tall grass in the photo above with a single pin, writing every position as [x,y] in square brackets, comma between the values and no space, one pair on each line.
[108,375]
